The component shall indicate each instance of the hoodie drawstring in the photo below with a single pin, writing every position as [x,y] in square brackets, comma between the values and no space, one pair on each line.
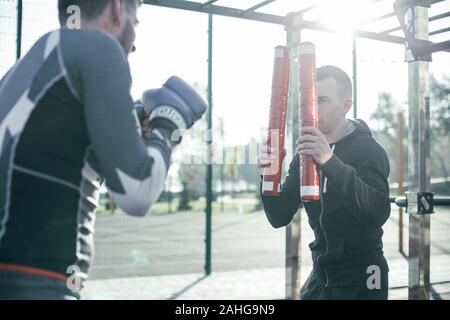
[326,180]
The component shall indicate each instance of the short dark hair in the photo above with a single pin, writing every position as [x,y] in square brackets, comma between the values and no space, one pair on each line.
[90,9]
[344,84]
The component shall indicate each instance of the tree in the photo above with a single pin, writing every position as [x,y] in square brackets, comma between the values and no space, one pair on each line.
[192,178]
[440,130]
[385,131]
[440,105]
[386,114]
[385,117]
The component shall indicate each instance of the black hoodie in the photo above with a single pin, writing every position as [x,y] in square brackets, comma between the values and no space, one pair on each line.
[347,222]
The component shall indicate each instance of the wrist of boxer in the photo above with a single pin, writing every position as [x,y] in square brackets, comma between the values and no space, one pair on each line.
[168,130]
[159,140]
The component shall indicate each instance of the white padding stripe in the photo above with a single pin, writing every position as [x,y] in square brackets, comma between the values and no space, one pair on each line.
[309,190]
[279,53]
[267,186]
[306,48]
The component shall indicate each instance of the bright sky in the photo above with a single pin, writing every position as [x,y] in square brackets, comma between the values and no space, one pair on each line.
[175,42]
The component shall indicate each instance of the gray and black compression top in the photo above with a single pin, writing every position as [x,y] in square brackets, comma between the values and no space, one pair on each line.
[67,123]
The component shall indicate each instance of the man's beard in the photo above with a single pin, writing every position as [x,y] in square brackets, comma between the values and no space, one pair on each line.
[126,38]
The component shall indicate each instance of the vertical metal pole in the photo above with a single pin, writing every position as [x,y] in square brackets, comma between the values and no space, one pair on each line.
[355,83]
[400,190]
[19,29]
[169,194]
[111,205]
[293,256]
[419,162]
[209,156]
[222,192]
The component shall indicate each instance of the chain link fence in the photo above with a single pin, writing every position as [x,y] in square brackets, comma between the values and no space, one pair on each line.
[8,34]
[16,37]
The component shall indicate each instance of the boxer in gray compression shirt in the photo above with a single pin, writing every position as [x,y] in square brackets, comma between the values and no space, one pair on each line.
[67,123]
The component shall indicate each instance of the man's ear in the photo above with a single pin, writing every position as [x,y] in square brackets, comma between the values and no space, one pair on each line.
[117,10]
[347,106]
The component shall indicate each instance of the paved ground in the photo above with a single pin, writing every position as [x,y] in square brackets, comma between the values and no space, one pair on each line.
[161,257]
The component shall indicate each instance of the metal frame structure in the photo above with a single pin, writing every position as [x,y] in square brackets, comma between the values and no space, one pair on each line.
[418,53]
[416,31]
[209,143]
[19,29]
[296,19]
[293,230]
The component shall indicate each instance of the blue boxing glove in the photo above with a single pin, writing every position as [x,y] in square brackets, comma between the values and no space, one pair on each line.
[174,106]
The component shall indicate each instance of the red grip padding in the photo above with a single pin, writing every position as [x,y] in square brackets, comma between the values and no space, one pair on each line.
[277,120]
[309,177]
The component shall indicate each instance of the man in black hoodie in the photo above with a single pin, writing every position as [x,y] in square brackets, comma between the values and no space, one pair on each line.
[347,255]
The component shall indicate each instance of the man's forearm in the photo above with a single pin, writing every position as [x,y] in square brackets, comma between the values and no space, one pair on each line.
[281,209]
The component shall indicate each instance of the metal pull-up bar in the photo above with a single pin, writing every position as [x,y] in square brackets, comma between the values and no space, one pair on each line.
[438,201]
[419,49]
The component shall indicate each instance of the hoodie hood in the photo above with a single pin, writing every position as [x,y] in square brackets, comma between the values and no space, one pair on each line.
[361,126]
[353,127]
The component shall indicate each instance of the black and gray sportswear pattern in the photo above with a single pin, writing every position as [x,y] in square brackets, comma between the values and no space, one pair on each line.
[67,123]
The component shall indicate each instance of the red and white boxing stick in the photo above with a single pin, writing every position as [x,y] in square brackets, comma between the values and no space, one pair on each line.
[271,184]
[309,178]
